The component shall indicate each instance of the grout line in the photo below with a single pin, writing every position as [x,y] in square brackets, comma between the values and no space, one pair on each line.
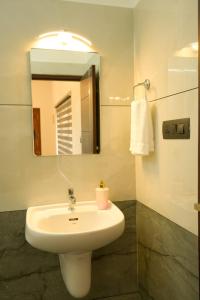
[171,95]
[10,104]
[123,105]
[119,105]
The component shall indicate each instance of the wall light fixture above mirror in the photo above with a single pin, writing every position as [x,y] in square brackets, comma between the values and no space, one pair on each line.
[65,101]
[63,40]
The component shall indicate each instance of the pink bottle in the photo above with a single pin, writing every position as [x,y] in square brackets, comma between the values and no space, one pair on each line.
[102,196]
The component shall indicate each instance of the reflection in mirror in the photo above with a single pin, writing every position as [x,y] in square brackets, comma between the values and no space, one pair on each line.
[65,101]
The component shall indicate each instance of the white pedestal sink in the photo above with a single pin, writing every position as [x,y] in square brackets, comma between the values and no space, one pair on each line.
[73,235]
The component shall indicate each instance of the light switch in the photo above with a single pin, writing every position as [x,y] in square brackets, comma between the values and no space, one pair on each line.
[180,128]
[176,129]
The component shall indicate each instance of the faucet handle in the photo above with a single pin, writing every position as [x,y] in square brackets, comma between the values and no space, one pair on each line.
[70,192]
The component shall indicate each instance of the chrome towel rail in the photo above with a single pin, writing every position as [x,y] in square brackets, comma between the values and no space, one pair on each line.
[145,83]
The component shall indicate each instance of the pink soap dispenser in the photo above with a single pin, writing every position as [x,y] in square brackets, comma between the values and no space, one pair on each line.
[102,196]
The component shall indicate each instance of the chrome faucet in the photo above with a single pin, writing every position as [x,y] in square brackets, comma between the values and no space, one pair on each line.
[72,199]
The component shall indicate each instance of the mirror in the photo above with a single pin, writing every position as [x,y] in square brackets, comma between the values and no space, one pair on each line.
[65,101]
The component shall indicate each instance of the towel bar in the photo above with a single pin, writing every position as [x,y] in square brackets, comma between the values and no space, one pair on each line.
[145,83]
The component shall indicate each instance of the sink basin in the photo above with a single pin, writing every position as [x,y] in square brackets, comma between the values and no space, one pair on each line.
[54,228]
[73,235]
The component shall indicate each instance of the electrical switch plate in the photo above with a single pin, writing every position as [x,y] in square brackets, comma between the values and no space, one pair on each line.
[176,129]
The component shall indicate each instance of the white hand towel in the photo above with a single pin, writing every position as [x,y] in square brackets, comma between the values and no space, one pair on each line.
[141,141]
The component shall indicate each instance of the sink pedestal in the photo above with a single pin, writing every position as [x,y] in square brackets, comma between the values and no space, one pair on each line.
[75,234]
[76,272]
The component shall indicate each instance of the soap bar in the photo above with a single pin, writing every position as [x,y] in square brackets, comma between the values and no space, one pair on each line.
[102,197]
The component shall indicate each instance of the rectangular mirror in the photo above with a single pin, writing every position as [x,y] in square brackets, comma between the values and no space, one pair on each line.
[65,102]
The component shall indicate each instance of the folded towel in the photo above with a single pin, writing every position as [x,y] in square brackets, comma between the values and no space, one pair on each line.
[141,140]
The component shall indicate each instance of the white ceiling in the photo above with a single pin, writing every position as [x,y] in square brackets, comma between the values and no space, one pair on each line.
[118,3]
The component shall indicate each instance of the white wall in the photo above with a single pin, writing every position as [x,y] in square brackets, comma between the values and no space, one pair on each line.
[166,181]
[27,180]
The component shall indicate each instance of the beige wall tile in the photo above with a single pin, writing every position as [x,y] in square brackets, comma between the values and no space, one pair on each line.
[161,30]
[27,180]
[109,29]
[166,181]
[115,130]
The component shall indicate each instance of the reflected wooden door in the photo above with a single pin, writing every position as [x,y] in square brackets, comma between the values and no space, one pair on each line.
[37,131]
[88,112]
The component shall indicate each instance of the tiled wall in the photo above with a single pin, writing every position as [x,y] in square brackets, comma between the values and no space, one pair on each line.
[29,274]
[27,180]
[160,253]
[163,34]
[166,181]
[167,258]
